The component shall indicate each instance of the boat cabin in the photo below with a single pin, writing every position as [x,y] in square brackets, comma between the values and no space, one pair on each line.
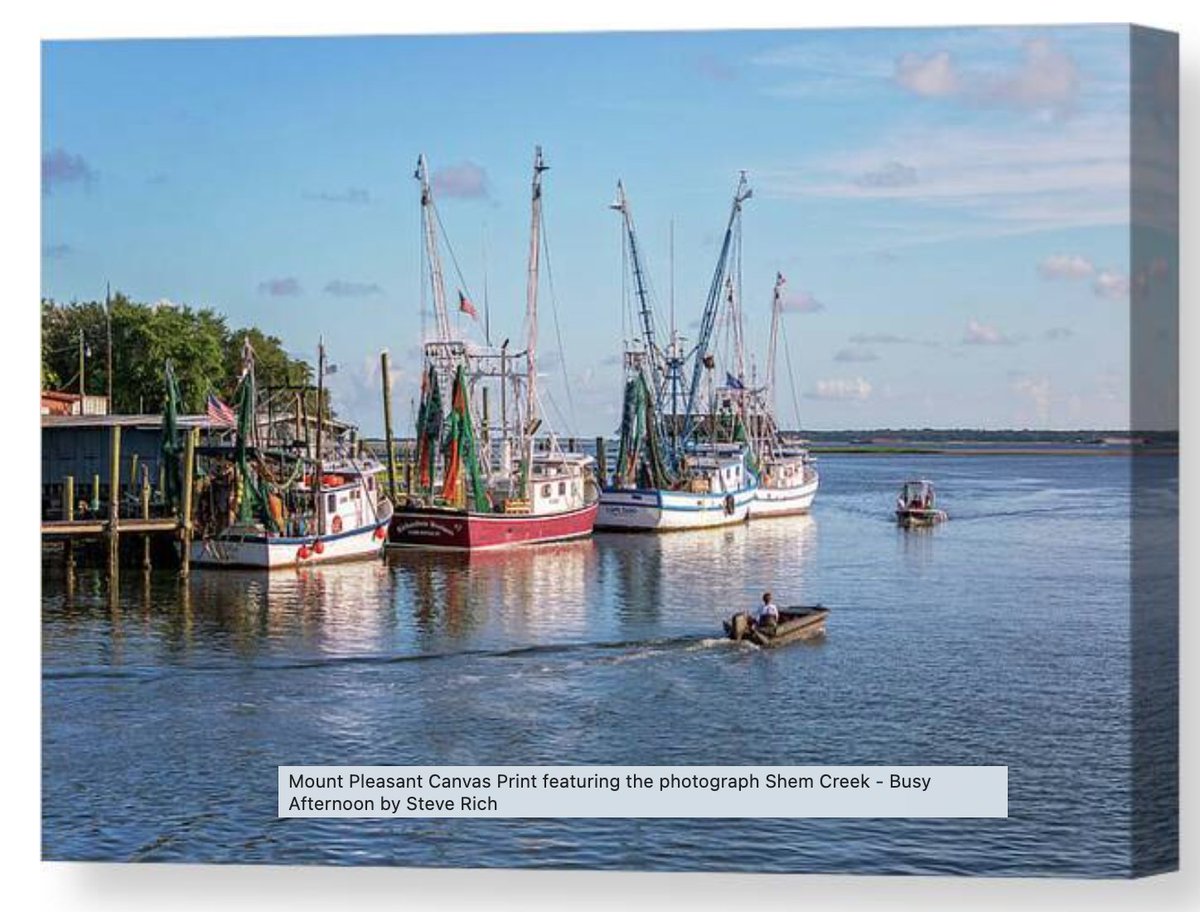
[917,495]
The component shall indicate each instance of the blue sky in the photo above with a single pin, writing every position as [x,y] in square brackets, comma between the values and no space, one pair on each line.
[950,206]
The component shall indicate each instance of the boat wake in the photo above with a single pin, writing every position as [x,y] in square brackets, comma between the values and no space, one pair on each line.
[613,651]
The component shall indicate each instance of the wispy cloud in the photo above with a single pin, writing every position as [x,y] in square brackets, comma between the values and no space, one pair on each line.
[282,287]
[890,174]
[856,389]
[714,68]
[1058,333]
[1066,266]
[354,196]
[465,180]
[855,355]
[61,167]
[885,338]
[1037,389]
[342,288]
[57,251]
[987,181]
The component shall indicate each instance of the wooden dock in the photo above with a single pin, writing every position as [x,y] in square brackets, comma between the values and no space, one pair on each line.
[104,522]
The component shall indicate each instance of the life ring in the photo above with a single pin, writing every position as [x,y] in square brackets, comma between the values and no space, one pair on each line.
[730,505]
[336,525]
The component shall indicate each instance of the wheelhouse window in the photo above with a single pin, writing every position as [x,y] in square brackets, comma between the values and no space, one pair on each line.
[331,503]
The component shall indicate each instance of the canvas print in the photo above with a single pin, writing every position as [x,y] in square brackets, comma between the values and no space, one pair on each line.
[743,399]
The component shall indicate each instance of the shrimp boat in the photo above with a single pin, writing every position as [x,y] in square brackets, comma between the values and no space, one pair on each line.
[666,477]
[481,484]
[917,505]
[266,507]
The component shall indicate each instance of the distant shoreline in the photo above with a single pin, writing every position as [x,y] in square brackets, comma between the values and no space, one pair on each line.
[955,450]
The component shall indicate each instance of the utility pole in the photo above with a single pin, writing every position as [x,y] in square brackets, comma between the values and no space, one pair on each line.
[82,387]
[109,357]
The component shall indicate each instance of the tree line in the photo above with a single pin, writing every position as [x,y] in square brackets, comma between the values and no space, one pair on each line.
[206,353]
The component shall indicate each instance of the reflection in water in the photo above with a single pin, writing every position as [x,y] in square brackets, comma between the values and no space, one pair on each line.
[521,592]
[165,716]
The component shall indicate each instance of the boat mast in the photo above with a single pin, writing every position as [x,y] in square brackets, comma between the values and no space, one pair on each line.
[531,293]
[639,282]
[429,225]
[776,311]
[712,305]
[319,471]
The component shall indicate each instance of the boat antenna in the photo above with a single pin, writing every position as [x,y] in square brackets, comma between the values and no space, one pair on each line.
[487,313]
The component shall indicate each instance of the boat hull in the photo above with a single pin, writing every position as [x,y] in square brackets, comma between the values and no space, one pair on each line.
[653,510]
[437,528]
[271,552]
[769,501]
[916,518]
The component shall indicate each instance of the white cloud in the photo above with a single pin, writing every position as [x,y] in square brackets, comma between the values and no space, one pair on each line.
[1038,391]
[932,76]
[801,302]
[1046,81]
[1111,285]
[1066,266]
[856,389]
[985,334]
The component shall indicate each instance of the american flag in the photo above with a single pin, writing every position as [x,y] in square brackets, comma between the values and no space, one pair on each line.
[219,413]
[467,307]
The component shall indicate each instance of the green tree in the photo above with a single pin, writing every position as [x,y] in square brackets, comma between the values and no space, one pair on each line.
[205,352]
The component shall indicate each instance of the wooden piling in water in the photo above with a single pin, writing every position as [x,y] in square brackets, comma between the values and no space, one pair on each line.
[114,500]
[189,465]
[146,515]
[68,513]
[95,504]
[387,423]
[601,460]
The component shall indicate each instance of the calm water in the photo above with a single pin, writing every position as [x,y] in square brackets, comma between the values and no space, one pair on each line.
[1001,637]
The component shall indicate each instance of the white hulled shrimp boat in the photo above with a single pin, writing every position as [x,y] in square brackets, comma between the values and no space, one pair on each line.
[788,478]
[259,507]
[484,484]
[664,479]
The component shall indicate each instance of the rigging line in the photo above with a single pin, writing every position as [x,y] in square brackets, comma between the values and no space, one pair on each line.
[423,278]
[787,357]
[559,412]
[450,249]
[562,352]
[624,290]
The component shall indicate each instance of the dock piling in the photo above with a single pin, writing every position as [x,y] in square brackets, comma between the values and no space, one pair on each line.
[146,516]
[114,500]
[387,423]
[601,461]
[189,465]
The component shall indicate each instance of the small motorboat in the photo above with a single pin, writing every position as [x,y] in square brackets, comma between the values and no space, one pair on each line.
[917,505]
[799,622]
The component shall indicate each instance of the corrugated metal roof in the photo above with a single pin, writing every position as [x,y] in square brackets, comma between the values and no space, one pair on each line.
[149,422]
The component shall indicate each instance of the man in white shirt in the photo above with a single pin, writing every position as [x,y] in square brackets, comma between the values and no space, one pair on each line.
[768,614]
